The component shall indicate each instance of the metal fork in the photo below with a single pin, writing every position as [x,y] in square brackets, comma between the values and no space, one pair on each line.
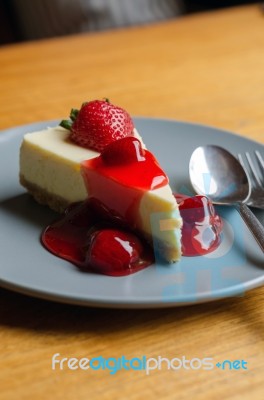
[256,177]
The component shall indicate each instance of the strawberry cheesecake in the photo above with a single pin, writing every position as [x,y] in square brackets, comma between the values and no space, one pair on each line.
[97,155]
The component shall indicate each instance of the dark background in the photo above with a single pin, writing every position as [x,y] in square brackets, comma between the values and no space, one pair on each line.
[10,31]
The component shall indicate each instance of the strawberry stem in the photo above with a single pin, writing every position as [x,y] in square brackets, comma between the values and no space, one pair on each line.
[66,123]
[73,114]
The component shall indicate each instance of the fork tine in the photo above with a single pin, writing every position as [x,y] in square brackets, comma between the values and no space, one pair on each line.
[240,159]
[255,173]
[253,170]
[260,161]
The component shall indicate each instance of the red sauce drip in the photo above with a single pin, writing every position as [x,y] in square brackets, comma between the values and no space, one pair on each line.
[93,243]
[202,226]
[86,237]
[145,174]
[119,184]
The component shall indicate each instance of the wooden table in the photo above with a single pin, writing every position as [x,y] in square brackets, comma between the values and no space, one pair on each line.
[206,68]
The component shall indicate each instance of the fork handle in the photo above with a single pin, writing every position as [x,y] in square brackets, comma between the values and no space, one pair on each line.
[253,224]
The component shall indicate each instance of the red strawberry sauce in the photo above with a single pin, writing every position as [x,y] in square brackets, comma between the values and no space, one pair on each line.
[93,238]
[92,243]
[127,184]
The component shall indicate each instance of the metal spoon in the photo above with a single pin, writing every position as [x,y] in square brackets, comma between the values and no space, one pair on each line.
[217,174]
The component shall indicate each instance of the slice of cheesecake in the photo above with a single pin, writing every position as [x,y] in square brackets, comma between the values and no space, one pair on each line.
[50,169]
[61,166]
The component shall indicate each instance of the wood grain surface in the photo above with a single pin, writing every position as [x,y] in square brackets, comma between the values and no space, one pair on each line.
[207,68]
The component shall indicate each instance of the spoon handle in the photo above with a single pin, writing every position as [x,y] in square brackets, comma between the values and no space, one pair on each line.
[253,224]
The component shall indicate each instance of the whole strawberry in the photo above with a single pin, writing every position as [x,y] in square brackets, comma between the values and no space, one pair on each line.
[97,124]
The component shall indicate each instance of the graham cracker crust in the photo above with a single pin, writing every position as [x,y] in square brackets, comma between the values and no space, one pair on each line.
[43,197]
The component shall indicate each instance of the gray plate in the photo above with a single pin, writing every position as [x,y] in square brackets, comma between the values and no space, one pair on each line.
[26,267]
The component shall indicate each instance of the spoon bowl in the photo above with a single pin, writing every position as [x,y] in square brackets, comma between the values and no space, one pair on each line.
[218,174]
